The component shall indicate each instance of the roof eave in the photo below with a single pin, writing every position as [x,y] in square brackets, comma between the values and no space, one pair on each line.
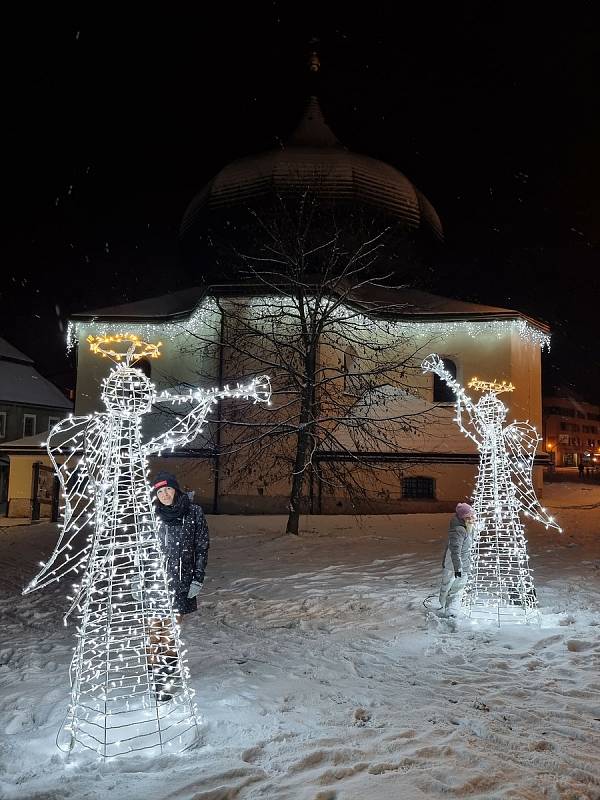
[465,316]
[232,290]
[23,451]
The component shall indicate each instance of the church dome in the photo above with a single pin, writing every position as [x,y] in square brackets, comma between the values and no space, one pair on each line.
[314,158]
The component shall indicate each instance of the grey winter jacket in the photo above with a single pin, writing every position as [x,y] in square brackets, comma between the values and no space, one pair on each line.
[459,546]
[185,544]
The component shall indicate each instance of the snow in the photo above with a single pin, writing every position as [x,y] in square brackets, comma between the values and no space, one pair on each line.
[321,676]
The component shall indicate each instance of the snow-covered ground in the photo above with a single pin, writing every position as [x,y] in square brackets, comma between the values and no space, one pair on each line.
[320,675]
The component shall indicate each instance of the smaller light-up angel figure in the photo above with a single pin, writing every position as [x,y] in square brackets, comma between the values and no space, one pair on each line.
[500,583]
[109,544]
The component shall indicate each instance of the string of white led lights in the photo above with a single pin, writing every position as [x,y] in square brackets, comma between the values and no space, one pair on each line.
[129,684]
[207,313]
[500,584]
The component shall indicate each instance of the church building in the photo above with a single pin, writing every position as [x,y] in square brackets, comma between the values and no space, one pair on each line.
[428,466]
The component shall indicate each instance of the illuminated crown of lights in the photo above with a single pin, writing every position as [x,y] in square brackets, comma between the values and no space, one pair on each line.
[500,583]
[104,345]
[490,386]
[129,690]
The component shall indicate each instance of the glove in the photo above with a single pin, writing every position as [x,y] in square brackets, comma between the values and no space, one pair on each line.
[194,589]
[458,574]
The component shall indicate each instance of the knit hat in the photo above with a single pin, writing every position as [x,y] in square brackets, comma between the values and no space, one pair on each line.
[165,479]
[464,510]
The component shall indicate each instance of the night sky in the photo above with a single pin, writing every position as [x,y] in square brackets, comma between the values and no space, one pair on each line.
[112,125]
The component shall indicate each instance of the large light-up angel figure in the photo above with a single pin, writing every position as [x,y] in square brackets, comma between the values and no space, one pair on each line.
[109,535]
[500,583]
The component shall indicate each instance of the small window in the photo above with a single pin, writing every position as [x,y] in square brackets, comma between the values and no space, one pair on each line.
[442,393]
[2,424]
[52,421]
[29,421]
[418,487]
[351,370]
[145,366]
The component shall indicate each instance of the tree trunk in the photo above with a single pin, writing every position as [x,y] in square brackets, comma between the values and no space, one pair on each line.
[298,478]
[306,418]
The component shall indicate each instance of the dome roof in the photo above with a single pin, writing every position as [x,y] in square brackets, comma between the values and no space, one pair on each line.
[313,157]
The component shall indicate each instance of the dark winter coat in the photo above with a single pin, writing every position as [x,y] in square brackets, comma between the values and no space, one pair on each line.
[185,545]
[459,546]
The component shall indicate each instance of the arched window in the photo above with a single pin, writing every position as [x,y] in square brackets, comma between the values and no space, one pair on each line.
[351,370]
[145,366]
[442,393]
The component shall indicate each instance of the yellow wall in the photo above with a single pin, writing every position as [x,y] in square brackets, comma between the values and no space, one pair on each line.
[19,485]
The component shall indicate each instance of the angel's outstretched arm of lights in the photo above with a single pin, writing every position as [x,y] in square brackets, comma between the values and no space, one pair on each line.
[187,428]
[433,363]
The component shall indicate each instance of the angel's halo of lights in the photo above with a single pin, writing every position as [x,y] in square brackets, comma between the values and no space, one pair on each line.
[136,349]
[494,387]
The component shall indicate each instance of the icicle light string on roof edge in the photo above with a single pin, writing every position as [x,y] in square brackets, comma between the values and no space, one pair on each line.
[500,583]
[205,314]
[128,693]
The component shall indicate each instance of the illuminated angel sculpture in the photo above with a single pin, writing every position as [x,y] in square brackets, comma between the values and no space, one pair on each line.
[500,583]
[121,594]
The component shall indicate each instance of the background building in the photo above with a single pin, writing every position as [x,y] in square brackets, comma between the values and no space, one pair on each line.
[29,406]
[571,432]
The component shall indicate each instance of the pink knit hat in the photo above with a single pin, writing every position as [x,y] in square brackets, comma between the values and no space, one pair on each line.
[464,510]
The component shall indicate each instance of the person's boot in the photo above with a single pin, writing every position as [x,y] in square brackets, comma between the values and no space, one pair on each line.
[165,675]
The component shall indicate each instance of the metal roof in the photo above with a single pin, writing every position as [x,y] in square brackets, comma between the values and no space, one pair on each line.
[163,307]
[22,384]
[28,445]
[7,351]
[313,158]
[396,303]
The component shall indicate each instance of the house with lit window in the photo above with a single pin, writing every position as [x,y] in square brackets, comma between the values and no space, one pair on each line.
[571,429]
[433,467]
[29,405]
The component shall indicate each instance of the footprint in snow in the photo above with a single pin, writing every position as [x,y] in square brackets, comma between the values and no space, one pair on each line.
[577,645]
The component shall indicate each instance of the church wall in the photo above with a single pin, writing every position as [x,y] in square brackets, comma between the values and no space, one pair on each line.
[525,403]
[453,483]
[243,496]
[196,474]
[245,486]
[486,356]
[526,365]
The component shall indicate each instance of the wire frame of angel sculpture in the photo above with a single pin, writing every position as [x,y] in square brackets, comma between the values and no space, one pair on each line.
[109,544]
[500,583]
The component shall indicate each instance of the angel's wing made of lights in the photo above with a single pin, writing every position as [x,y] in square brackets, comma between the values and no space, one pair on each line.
[187,428]
[74,447]
[521,441]
[433,363]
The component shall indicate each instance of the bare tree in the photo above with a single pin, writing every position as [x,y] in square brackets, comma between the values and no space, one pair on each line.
[317,313]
